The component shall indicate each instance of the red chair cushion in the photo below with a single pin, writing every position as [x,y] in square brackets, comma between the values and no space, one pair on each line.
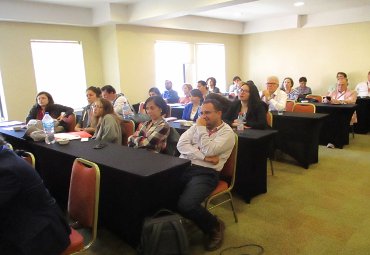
[222,185]
[77,242]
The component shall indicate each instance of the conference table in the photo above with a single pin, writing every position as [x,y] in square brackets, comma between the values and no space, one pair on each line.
[336,127]
[363,115]
[298,135]
[135,183]
[251,173]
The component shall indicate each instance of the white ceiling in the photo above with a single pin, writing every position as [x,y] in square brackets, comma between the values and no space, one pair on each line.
[225,16]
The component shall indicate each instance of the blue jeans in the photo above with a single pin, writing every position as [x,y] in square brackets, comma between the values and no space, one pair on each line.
[199,183]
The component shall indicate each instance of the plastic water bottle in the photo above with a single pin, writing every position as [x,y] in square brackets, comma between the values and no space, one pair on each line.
[48,125]
[126,111]
[240,125]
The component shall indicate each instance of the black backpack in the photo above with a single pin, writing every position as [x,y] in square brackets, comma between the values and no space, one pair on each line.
[163,234]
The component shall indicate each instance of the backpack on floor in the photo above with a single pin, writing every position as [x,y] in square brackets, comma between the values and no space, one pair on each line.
[164,234]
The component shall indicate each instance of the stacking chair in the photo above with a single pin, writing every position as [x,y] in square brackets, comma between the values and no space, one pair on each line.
[128,129]
[304,107]
[317,97]
[70,122]
[271,151]
[83,203]
[29,157]
[226,182]
[289,105]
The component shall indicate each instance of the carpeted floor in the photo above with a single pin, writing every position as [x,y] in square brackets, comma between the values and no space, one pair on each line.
[320,211]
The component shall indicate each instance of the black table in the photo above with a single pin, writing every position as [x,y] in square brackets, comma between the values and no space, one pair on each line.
[363,116]
[299,135]
[134,183]
[177,110]
[336,127]
[253,145]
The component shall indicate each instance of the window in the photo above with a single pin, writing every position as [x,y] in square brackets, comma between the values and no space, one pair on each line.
[59,70]
[183,62]
[3,112]
[172,59]
[211,63]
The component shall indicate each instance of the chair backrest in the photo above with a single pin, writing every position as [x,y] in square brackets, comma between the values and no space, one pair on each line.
[70,122]
[83,200]
[304,107]
[317,97]
[171,145]
[128,129]
[228,172]
[289,105]
[29,157]
[269,118]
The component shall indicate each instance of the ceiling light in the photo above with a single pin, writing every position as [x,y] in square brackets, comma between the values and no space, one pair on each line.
[296,4]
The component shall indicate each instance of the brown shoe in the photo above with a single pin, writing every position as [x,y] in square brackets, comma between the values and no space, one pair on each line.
[216,237]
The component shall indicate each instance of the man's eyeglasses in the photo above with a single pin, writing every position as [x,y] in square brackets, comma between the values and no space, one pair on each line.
[243,91]
[206,112]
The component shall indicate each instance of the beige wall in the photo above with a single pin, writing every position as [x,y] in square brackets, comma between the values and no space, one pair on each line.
[16,60]
[317,53]
[136,55]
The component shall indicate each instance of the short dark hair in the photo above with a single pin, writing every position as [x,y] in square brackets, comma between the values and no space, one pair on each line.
[203,83]
[236,78]
[155,90]
[109,89]
[158,101]
[303,79]
[216,104]
[343,74]
[48,95]
[196,93]
[96,90]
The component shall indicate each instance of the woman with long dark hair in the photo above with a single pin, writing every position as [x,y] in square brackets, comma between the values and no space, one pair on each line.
[87,122]
[250,105]
[108,127]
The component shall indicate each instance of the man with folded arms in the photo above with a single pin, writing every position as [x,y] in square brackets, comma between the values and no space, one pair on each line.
[208,145]
[273,96]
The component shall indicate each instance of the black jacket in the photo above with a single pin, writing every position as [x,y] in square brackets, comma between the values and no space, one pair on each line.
[30,220]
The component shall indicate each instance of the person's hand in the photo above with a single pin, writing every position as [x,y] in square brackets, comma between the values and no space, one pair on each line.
[201,122]
[212,159]
[235,123]
[266,93]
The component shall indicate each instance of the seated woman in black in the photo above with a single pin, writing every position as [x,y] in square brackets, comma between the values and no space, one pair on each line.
[250,105]
[45,103]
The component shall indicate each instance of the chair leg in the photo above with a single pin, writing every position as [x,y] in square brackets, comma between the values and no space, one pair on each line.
[353,131]
[232,207]
[271,166]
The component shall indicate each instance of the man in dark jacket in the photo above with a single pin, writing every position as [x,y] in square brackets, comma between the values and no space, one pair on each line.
[30,220]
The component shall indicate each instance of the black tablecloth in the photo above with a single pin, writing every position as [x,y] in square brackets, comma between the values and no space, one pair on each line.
[176,111]
[299,135]
[134,183]
[363,116]
[251,170]
[336,126]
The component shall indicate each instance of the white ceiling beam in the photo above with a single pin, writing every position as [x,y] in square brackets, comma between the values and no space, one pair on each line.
[273,24]
[110,14]
[150,10]
[44,13]
[204,24]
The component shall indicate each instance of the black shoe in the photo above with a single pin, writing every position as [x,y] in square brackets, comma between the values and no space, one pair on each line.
[216,237]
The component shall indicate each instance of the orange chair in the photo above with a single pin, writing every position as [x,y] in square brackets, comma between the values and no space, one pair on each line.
[70,122]
[83,203]
[226,182]
[317,97]
[304,107]
[270,122]
[128,129]
[289,105]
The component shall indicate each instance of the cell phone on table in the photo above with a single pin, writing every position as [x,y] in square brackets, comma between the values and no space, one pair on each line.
[100,146]
[328,97]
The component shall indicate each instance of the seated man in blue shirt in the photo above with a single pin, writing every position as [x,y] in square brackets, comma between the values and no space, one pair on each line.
[208,145]
[170,95]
